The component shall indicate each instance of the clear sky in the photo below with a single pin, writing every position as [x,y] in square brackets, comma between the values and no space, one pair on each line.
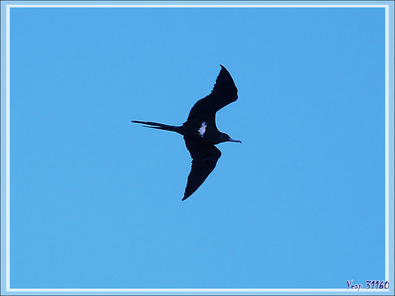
[96,200]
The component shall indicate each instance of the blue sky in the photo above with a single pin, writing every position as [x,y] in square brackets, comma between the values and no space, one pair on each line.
[96,201]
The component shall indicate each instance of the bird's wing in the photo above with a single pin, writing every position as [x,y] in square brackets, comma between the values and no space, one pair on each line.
[223,93]
[204,158]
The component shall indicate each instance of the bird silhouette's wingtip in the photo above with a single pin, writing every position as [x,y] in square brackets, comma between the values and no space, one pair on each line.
[223,68]
[186,195]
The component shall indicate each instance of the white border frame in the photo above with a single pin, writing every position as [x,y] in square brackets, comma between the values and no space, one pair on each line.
[197,291]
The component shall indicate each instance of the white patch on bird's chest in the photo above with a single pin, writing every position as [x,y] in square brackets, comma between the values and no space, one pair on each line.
[202,129]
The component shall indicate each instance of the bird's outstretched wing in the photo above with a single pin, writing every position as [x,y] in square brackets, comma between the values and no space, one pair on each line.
[204,158]
[223,93]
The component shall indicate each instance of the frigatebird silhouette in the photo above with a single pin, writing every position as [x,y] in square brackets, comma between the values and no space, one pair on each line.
[200,131]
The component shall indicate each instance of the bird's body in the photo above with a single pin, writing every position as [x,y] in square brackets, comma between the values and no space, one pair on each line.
[200,131]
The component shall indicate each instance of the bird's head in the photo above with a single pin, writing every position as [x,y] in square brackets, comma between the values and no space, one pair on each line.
[227,138]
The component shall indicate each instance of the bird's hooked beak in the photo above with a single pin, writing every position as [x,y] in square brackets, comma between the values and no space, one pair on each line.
[233,140]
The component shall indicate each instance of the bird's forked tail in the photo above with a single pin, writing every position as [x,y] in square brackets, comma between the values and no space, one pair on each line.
[160,126]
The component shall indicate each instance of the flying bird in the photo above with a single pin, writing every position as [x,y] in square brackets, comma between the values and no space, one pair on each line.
[200,131]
